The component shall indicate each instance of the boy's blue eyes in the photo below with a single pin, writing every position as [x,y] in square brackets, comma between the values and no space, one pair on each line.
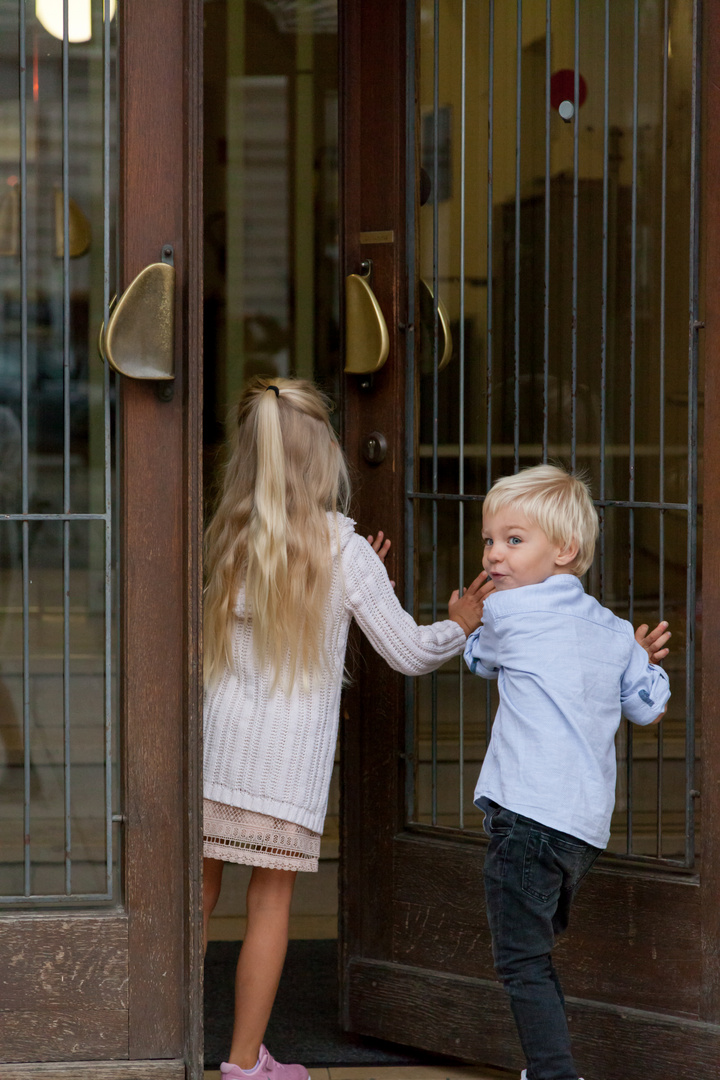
[512,540]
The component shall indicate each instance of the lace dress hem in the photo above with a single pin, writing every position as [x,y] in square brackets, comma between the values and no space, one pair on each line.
[244,836]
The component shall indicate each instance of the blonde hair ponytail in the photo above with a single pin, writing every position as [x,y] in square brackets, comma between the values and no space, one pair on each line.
[267,565]
[270,531]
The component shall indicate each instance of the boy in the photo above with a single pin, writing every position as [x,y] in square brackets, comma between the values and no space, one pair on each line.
[566,669]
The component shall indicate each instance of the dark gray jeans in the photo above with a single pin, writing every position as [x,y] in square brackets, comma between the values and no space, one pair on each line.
[531,874]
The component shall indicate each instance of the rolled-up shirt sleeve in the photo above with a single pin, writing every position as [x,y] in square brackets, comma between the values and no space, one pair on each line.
[481,651]
[645,689]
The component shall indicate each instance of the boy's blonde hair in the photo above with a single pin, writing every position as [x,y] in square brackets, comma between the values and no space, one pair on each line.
[557,502]
[270,531]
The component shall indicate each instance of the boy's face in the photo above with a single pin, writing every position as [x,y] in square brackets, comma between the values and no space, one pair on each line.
[519,553]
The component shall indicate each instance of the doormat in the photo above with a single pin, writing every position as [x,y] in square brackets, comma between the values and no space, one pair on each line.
[304,1023]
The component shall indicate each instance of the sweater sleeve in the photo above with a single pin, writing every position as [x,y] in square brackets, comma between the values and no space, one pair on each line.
[645,689]
[392,632]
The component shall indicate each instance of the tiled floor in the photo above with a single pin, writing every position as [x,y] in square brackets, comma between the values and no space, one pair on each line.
[412,1072]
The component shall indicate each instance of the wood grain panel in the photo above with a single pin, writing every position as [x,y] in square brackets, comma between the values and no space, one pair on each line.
[632,941]
[69,1034]
[96,1070]
[154,501]
[471,1019]
[710,611]
[635,941]
[62,961]
[193,450]
[372,187]
[440,920]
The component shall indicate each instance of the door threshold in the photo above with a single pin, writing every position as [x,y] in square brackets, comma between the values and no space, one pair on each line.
[402,1072]
[158,1069]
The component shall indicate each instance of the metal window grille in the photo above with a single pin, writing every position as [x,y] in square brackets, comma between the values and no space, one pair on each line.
[566,252]
[61,815]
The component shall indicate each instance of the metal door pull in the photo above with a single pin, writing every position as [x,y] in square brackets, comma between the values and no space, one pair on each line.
[367,342]
[139,340]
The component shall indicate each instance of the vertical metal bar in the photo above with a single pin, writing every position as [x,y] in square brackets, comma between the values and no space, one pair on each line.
[66,438]
[108,457]
[410,388]
[576,189]
[489,346]
[633,346]
[604,288]
[27,884]
[461,406]
[692,493]
[518,138]
[546,301]
[436,345]
[661,375]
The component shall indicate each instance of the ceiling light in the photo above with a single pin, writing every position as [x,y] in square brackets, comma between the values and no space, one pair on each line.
[50,14]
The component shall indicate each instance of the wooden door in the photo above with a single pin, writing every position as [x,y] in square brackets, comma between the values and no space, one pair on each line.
[103,973]
[428,118]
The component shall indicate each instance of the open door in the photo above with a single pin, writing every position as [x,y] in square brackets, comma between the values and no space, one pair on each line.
[526,179]
[100,932]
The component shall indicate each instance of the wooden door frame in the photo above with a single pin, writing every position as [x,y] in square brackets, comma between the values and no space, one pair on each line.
[372,198]
[127,985]
[161,203]
[710,782]
[381,860]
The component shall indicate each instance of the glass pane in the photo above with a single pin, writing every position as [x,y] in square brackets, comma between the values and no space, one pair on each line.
[561,250]
[57,642]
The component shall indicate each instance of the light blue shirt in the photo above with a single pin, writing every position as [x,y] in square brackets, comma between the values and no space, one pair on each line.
[566,669]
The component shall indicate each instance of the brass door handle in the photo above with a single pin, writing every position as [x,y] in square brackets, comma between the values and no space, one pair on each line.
[427,318]
[367,342]
[139,340]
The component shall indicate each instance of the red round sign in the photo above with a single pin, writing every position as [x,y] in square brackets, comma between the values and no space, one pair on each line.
[562,87]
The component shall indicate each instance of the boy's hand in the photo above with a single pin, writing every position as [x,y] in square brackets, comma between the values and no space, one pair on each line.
[467,610]
[380,547]
[653,641]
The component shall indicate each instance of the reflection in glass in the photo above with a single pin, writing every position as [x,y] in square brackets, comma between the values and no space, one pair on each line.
[563,254]
[57,647]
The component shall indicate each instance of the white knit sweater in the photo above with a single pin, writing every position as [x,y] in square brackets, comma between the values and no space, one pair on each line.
[272,752]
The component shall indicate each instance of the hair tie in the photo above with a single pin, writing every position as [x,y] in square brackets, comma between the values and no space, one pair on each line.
[275,388]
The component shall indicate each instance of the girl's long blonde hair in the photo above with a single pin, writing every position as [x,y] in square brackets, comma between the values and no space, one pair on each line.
[270,531]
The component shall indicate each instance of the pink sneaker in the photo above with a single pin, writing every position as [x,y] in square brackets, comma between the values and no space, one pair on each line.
[267,1068]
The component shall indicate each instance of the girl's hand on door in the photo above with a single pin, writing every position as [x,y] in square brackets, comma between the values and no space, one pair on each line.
[653,641]
[467,610]
[380,546]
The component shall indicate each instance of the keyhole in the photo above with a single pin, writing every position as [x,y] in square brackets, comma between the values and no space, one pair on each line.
[374,448]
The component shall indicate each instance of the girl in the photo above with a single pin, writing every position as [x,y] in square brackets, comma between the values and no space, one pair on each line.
[286,573]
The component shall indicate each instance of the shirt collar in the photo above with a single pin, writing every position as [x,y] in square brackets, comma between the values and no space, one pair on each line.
[552,586]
